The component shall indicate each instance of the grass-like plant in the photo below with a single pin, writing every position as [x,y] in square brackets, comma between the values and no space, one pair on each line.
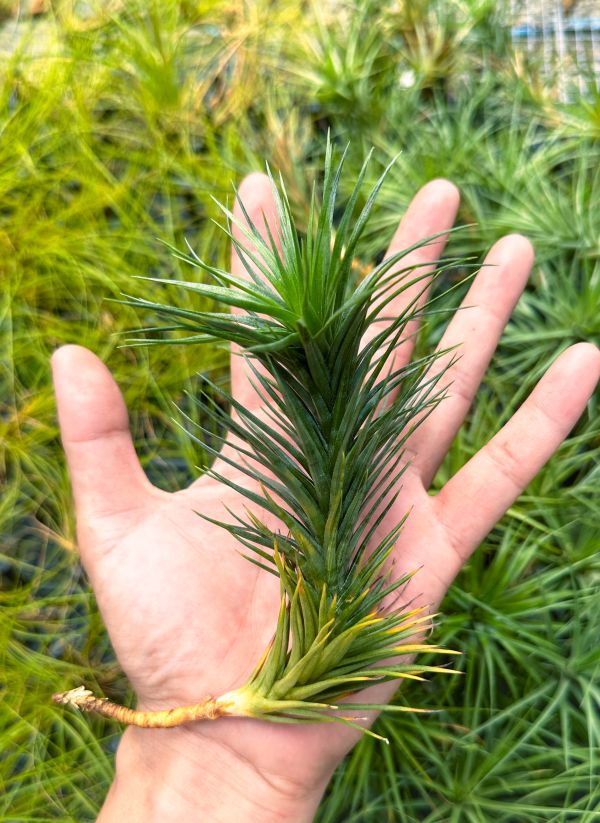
[326,455]
[101,153]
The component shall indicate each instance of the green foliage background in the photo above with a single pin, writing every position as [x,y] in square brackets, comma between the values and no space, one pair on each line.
[118,122]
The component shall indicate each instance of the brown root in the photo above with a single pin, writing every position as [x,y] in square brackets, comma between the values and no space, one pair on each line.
[208,709]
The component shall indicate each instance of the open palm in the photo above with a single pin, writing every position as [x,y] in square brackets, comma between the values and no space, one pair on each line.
[189,616]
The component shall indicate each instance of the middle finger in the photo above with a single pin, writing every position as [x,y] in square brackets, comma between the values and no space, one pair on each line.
[431,211]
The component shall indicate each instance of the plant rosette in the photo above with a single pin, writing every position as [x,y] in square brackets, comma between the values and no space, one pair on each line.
[327,457]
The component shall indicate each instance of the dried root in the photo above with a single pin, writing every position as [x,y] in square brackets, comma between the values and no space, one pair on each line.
[208,709]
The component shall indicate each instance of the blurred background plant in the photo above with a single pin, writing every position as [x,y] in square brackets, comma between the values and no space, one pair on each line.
[119,122]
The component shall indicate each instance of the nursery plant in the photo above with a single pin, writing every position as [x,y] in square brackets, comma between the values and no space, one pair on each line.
[326,456]
[119,121]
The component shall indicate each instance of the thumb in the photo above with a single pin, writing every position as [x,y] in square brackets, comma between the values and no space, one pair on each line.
[106,475]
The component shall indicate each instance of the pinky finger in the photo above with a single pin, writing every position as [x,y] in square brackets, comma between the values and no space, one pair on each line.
[472,501]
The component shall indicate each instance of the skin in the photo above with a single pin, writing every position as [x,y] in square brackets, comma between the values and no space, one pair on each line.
[189,617]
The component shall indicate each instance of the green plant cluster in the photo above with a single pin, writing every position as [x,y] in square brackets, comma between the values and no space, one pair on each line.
[119,122]
[326,458]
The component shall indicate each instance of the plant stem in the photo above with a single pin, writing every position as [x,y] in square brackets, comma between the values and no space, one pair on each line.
[208,709]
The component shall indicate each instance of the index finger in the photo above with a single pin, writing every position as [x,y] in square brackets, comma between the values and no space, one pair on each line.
[256,196]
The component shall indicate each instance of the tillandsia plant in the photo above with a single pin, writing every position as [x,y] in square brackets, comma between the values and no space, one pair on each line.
[326,457]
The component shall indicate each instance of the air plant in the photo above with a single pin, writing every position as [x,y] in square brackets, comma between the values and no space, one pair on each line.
[327,457]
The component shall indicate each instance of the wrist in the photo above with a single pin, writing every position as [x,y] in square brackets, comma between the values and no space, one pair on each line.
[178,774]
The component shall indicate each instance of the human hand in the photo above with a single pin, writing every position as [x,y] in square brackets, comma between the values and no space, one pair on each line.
[188,616]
